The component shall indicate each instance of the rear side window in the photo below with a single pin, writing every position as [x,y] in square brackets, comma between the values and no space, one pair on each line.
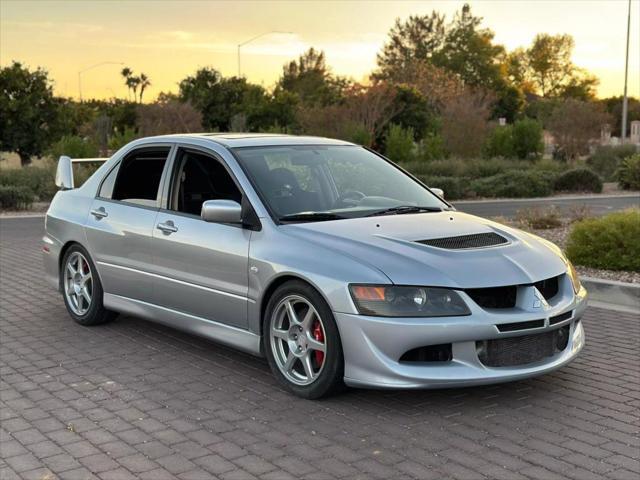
[137,179]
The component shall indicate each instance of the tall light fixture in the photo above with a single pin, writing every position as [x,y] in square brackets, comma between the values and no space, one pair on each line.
[80,72]
[240,45]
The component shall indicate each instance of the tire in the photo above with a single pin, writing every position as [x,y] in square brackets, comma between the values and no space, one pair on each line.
[78,276]
[294,349]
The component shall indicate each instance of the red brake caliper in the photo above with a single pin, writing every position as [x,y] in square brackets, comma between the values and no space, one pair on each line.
[319,336]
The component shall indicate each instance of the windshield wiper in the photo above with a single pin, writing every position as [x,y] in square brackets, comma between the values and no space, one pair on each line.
[311,217]
[402,209]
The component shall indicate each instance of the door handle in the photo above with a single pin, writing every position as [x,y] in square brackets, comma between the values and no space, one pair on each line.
[167,227]
[99,213]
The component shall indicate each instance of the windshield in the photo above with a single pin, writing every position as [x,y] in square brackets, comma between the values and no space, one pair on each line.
[308,183]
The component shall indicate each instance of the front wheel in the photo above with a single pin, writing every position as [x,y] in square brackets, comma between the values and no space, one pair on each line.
[81,288]
[302,343]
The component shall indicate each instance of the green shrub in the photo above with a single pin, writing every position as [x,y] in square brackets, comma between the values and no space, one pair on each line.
[609,242]
[500,142]
[40,180]
[527,139]
[120,139]
[578,180]
[432,148]
[15,197]
[73,146]
[454,188]
[628,173]
[399,145]
[514,184]
[606,160]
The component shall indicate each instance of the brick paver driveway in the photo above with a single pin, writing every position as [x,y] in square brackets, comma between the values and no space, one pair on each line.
[134,399]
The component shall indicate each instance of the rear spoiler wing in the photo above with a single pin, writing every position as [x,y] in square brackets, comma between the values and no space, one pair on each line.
[64,172]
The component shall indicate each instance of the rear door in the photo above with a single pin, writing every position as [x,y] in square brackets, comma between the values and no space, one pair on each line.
[122,219]
[201,268]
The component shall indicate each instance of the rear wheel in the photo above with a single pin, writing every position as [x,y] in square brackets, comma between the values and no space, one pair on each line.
[81,288]
[302,342]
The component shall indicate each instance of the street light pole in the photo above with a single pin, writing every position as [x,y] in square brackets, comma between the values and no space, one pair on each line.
[80,72]
[240,45]
[626,72]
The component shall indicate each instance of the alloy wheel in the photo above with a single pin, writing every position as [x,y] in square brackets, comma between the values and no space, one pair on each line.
[78,283]
[298,340]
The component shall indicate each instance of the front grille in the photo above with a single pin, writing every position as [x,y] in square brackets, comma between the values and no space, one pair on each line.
[494,297]
[508,352]
[476,240]
[505,297]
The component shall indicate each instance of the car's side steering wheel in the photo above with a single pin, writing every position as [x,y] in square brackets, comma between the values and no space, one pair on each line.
[351,197]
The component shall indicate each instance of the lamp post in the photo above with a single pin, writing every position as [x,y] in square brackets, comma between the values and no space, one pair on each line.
[240,45]
[626,71]
[80,72]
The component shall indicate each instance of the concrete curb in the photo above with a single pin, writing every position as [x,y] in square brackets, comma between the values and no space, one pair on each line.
[599,196]
[612,292]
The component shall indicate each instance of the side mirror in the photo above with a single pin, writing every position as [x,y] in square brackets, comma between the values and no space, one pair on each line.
[221,211]
[438,191]
[64,173]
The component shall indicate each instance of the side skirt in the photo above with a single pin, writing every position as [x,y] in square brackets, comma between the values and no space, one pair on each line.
[218,332]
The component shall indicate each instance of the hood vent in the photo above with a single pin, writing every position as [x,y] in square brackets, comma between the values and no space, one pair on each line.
[476,240]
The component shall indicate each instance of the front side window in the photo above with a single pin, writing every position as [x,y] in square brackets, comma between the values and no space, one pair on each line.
[137,178]
[197,178]
[333,181]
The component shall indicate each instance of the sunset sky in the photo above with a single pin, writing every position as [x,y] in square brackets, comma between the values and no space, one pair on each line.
[168,40]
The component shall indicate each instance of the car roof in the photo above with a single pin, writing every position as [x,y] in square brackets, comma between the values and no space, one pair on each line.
[237,140]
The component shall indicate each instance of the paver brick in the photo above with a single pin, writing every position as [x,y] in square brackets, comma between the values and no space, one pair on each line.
[133,399]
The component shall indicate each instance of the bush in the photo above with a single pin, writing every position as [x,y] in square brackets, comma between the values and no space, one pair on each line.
[500,143]
[15,197]
[399,145]
[454,187]
[39,180]
[606,160]
[609,242]
[540,218]
[120,139]
[432,148]
[629,173]
[73,146]
[514,184]
[578,180]
[527,139]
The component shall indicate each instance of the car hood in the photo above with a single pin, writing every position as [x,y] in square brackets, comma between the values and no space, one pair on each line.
[389,243]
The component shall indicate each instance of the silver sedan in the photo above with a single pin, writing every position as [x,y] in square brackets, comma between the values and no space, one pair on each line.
[329,260]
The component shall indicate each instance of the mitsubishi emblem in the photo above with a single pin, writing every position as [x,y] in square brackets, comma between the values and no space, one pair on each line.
[538,299]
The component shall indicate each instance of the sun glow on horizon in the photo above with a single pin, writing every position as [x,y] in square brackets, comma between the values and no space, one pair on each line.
[170,40]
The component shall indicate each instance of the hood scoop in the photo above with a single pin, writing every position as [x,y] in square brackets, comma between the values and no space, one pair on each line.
[476,240]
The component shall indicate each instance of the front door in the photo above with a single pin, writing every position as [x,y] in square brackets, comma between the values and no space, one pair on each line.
[201,268]
[120,225]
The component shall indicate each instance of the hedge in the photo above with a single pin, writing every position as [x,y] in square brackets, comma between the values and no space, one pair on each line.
[628,174]
[609,242]
[579,180]
[15,197]
[514,184]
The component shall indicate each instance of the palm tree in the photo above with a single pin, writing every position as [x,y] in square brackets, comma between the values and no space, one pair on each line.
[126,72]
[133,82]
[144,83]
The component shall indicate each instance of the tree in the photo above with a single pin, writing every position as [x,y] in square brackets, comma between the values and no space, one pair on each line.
[166,116]
[417,38]
[221,100]
[144,84]
[546,68]
[28,111]
[465,123]
[575,125]
[310,78]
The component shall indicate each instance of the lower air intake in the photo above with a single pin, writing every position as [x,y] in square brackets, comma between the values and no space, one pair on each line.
[509,352]
[476,240]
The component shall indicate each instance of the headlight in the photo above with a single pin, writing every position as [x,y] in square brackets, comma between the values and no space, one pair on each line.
[396,301]
[573,275]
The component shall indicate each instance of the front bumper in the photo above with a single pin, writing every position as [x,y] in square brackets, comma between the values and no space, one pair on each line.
[373,345]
